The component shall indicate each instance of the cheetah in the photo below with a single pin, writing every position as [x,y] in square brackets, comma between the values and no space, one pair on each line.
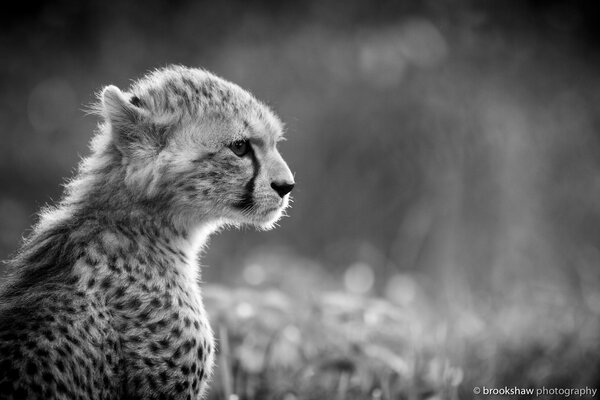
[104,301]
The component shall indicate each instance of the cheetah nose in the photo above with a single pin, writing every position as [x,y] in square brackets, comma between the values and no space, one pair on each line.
[282,188]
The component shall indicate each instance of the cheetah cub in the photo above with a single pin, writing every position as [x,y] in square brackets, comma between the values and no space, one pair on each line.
[104,301]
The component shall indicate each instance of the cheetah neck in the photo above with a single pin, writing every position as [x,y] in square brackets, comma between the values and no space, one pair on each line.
[141,244]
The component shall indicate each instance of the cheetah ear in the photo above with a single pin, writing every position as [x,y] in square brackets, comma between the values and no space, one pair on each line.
[121,112]
[131,124]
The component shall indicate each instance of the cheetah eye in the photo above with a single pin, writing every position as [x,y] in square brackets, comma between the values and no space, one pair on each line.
[240,147]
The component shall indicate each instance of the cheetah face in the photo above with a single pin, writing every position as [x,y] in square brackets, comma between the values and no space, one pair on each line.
[242,178]
[203,145]
[254,181]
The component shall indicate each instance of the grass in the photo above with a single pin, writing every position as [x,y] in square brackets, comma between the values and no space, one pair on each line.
[336,345]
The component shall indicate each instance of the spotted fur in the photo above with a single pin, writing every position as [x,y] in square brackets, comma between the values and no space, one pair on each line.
[103,301]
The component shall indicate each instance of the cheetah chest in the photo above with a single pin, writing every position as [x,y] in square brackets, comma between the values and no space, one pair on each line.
[166,338]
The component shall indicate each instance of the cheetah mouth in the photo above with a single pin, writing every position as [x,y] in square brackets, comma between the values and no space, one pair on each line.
[265,218]
[270,210]
[269,206]
[266,210]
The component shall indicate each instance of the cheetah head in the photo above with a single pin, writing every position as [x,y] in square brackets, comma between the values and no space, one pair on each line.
[202,147]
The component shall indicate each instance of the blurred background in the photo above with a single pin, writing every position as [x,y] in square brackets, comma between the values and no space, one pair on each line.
[446,155]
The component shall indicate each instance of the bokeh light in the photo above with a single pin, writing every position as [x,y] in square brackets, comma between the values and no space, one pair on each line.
[359,278]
